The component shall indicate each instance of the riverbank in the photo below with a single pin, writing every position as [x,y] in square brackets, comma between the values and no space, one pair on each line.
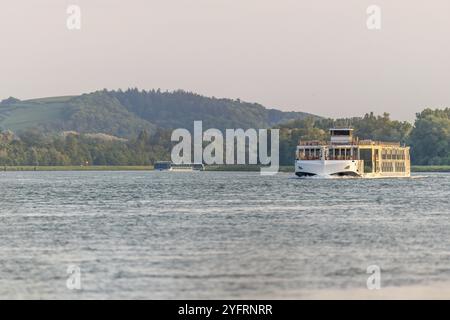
[134,168]
[291,168]
[247,168]
[241,167]
[76,168]
[430,168]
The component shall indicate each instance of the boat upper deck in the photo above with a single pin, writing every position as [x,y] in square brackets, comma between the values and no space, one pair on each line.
[344,137]
[343,146]
[353,143]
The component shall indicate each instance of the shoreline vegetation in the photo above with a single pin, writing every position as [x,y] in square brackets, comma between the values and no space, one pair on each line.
[134,128]
[229,168]
[76,168]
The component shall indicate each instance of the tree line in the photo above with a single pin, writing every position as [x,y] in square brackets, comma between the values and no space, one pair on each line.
[429,138]
[37,149]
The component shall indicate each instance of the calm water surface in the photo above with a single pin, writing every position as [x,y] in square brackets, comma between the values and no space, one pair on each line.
[217,235]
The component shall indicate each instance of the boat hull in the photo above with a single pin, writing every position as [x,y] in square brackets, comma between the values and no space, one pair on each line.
[323,168]
[341,168]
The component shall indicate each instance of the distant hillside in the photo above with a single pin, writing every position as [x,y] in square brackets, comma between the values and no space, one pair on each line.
[126,113]
[179,109]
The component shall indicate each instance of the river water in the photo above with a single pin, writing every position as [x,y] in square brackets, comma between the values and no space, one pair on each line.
[156,235]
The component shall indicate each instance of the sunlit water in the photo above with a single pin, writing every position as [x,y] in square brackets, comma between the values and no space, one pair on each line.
[217,235]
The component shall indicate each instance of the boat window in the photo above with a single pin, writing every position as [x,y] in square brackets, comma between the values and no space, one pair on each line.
[340,132]
[366,155]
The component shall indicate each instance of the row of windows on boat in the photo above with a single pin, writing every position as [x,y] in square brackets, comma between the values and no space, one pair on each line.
[393,167]
[349,154]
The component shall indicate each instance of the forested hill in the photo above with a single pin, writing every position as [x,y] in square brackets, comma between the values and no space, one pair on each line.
[126,113]
[179,109]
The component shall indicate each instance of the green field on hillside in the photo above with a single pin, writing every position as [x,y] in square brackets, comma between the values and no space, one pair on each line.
[61,99]
[25,115]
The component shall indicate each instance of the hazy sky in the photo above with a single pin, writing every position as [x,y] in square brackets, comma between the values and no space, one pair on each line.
[315,56]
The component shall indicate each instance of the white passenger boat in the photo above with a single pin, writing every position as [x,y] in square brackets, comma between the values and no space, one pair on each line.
[345,155]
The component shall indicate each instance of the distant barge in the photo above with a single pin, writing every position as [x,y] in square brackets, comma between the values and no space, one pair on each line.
[345,155]
[169,166]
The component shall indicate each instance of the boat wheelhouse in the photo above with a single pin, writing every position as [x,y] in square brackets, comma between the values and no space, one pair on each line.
[345,155]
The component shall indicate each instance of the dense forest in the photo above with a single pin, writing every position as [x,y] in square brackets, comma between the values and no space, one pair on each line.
[134,127]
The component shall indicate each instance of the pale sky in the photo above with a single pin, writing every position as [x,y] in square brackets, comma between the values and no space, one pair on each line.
[315,56]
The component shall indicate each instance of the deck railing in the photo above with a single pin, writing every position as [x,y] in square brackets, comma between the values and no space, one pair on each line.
[353,143]
[313,143]
[378,143]
[354,157]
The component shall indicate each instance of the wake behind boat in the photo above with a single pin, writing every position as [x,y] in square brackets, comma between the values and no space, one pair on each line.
[345,155]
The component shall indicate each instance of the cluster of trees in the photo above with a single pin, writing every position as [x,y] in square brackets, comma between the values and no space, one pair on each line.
[430,138]
[35,148]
